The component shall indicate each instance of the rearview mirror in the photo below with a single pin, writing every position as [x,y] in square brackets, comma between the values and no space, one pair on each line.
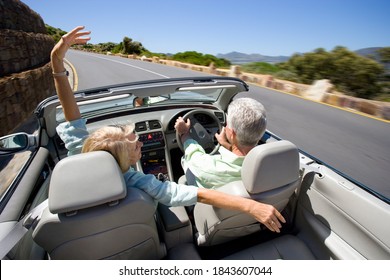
[149,100]
[15,143]
[139,101]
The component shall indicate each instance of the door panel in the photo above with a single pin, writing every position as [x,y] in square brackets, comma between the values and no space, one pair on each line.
[31,190]
[339,220]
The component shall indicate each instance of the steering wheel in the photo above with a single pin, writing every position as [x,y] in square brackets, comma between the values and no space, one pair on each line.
[199,133]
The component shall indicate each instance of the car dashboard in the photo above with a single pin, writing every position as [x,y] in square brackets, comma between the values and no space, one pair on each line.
[161,154]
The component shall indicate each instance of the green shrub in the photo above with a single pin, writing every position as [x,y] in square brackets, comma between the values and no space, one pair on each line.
[56,33]
[350,73]
[200,59]
[287,76]
[260,68]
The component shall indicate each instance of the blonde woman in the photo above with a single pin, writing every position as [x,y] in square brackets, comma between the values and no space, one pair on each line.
[122,143]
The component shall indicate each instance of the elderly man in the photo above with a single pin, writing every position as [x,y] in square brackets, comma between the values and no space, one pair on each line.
[246,124]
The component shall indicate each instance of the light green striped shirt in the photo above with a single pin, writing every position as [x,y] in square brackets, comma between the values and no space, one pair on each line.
[211,171]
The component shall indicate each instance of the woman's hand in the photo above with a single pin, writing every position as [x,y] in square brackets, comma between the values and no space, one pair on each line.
[76,36]
[268,215]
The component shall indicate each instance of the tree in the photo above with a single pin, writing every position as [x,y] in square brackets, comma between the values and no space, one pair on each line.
[384,54]
[349,72]
[194,57]
[132,47]
[310,66]
[56,33]
[105,47]
[355,74]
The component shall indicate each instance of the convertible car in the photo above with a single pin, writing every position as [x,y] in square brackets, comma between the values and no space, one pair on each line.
[55,206]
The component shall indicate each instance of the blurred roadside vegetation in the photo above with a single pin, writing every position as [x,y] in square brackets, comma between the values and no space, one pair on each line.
[349,72]
[200,59]
[352,74]
[56,33]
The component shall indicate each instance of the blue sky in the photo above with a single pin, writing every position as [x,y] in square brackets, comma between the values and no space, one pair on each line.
[272,27]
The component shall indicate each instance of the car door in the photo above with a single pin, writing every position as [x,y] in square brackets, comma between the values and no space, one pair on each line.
[28,189]
[340,220]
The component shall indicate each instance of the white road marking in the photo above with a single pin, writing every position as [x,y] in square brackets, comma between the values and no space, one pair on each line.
[139,68]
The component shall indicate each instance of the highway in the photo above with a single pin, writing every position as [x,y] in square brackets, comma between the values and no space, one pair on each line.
[352,143]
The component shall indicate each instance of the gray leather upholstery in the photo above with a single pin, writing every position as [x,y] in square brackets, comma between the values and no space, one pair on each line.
[175,226]
[270,174]
[184,251]
[93,215]
[270,166]
[72,189]
[287,247]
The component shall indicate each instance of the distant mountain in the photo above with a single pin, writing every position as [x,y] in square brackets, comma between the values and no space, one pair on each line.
[369,52]
[373,54]
[242,58]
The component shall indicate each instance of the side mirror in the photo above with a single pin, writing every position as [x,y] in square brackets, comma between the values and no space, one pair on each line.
[17,142]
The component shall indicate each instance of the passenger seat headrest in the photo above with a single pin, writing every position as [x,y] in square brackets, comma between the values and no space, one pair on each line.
[85,180]
[269,166]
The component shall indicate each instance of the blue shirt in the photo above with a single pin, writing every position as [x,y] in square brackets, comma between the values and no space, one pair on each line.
[74,133]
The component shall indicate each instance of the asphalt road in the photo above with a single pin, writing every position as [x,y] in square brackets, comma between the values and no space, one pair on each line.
[356,145]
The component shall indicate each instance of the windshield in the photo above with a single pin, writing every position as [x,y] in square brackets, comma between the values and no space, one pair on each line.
[121,102]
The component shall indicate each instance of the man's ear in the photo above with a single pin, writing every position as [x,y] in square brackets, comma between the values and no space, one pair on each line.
[234,136]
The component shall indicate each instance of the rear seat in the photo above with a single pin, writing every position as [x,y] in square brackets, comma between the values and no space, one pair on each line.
[287,247]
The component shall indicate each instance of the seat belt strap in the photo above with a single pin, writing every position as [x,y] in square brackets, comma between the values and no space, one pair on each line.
[309,168]
[305,169]
[20,229]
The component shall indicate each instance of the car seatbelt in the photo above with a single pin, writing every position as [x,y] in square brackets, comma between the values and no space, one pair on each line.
[309,168]
[20,229]
[305,171]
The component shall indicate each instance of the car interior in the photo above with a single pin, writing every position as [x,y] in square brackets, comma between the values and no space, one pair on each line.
[90,214]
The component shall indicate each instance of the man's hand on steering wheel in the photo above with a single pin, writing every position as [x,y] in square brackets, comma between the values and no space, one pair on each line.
[222,139]
[183,128]
[189,127]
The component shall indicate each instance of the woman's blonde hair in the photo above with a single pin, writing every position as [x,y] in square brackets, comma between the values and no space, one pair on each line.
[112,139]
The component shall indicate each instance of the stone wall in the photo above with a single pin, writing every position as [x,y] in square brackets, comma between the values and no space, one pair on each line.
[16,15]
[25,71]
[21,50]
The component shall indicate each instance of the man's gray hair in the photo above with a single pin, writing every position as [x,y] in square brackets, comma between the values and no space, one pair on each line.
[247,118]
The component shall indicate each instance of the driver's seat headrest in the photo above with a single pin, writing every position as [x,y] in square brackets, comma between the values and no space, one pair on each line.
[269,166]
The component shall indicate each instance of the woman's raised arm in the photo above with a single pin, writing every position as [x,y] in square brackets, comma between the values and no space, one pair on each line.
[61,82]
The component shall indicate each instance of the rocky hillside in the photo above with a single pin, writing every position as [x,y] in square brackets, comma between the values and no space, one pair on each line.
[25,71]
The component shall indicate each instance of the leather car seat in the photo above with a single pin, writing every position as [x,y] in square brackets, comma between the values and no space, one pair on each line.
[286,247]
[91,213]
[270,174]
